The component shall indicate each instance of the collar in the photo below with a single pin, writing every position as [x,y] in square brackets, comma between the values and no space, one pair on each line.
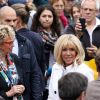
[22,29]
[74,66]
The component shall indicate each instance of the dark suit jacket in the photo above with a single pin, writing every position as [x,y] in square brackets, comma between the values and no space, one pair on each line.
[37,45]
[93,90]
[32,76]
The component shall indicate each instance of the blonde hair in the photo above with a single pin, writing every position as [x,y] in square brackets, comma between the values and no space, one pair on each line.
[97,4]
[6,31]
[63,42]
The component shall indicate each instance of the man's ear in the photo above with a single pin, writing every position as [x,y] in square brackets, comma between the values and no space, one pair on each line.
[97,12]
[82,96]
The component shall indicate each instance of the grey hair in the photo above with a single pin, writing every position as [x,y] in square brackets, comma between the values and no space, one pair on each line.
[97,4]
[6,31]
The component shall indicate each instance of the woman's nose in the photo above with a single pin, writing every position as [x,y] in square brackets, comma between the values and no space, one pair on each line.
[47,18]
[68,52]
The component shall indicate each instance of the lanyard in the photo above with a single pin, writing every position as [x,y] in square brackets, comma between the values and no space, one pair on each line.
[4,76]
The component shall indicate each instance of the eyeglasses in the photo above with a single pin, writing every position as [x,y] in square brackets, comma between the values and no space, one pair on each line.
[9,42]
[88,9]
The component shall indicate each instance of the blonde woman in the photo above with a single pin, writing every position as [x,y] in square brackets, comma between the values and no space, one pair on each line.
[69,55]
[10,73]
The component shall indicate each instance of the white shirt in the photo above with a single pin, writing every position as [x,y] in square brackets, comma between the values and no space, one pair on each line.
[15,48]
[91,32]
[58,71]
[32,12]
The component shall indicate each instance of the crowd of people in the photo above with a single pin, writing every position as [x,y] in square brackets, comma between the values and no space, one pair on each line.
[43,48]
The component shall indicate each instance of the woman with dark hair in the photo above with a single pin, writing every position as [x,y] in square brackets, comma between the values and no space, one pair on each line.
[76,14]
[45,22]
[75,11]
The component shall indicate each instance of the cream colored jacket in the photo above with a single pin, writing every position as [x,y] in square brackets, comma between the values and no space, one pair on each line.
[58,71]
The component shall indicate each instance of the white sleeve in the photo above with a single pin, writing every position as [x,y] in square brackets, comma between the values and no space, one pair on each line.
[51,94]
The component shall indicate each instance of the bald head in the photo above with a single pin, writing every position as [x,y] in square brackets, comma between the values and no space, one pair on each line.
[5,10]
[8,16]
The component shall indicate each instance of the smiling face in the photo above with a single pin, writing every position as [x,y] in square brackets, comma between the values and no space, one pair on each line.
[46,19]
[76,13]
[68,54]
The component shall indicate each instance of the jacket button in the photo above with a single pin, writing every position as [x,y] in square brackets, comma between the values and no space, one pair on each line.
[55,92]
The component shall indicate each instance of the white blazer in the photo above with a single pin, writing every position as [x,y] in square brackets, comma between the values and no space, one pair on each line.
[58,71]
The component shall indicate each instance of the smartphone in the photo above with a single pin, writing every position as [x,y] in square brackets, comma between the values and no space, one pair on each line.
[82,21]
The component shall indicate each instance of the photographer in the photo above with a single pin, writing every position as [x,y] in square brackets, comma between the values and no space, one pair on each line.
[90,35]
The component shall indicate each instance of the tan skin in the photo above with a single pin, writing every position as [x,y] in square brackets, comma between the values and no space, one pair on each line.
[68,55]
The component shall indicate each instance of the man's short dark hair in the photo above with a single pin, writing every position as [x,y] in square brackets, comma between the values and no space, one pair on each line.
[72,85]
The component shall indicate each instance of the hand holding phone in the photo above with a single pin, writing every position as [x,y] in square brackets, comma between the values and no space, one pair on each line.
[83,23]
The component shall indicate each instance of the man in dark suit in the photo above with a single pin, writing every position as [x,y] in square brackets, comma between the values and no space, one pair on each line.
[22,29]
[93,90]
[31,73]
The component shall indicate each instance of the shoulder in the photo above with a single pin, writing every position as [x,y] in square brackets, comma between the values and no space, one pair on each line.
[36,36]
[57,70]
[22,39]
[57,66]
[93,90]
[84,66]
[85,70]
[95,83]
[94,86]
[24,45]
[70,29]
